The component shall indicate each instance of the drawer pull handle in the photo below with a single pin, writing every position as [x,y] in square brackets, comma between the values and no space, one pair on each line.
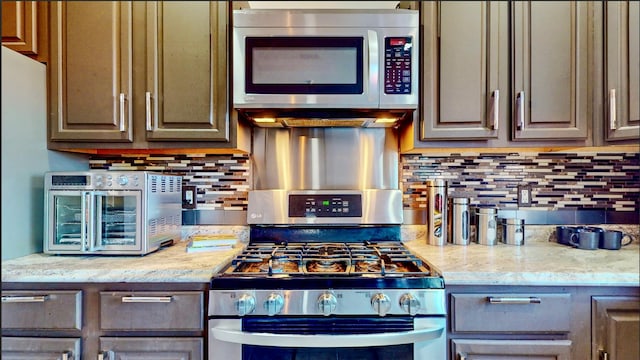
[25,299]
[603,354]
[147,299]
[513,300]
[104,355]
[67,355]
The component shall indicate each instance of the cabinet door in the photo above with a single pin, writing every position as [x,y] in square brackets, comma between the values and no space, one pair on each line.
[186,96]
[24,27]
[24,348]
[622,58]
[460,74]
[157,348]
[615,328]
[90,73]
[511,349]
[550,77]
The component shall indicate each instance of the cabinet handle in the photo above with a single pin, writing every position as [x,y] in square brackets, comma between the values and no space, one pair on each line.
[603,354]
[122,111]
[612,109]
[148,113]
[496,108]
[147,299]
[520,110]
[104,355]
[25,299]
[462,356]
[67,355]
[513,300]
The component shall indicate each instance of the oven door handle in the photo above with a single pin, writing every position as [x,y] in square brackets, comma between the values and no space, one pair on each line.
[326,341]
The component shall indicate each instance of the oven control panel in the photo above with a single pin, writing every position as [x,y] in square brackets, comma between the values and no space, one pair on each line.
[323,205]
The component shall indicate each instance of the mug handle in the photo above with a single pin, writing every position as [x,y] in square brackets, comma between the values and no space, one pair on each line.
[572,241]
[630,239]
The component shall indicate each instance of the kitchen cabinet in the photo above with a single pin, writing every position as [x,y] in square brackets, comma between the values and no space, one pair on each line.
[140,75]
[515,75]
[24,28]
[107,320]
[616,328]
[543,322]
[622,70]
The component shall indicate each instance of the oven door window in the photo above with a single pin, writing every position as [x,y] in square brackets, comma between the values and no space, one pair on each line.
[119,218]
[67,229]
[333,326]
[304,65]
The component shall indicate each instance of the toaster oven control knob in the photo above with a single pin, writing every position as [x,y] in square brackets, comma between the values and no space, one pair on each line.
[410,304]
[327,303]
[123,180]
[381,304]
[245,304]
[274,304]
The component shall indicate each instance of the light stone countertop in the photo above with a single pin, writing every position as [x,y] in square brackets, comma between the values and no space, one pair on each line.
[540,261]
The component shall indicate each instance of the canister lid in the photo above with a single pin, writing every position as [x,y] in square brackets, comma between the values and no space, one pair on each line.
[460,200]
[513,221]
[487,210]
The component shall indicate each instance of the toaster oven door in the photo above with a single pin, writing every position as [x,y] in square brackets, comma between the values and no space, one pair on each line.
[67,222]
[118,222]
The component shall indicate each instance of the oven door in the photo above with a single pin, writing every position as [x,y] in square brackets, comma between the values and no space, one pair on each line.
[362,338]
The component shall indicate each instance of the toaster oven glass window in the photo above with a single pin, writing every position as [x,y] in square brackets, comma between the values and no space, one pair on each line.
[118,220]
[68,220]
[304,65]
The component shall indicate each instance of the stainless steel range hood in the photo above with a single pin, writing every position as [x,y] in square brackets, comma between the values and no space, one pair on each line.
[299,118]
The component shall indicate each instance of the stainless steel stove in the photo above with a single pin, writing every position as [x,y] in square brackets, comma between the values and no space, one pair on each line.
[326,273]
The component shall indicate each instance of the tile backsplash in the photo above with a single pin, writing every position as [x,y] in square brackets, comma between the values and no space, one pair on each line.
[580,180]
[584,180]
[221,181]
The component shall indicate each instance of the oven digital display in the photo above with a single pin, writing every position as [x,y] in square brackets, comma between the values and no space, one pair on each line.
[75,180]
[335,205]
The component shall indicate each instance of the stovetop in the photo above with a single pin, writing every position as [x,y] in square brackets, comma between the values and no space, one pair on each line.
[304,265]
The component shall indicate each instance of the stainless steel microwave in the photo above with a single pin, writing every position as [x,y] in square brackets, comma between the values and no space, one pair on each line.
[325,59]
[111,212]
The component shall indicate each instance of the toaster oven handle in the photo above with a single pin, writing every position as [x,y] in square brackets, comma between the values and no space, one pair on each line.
[87,221]
[326,341]
[94,201]
[372,37]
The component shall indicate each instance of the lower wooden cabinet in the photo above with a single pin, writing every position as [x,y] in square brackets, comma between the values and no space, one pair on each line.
[33,348]
[105,321]
[615,328]
[144,348]
[512,349]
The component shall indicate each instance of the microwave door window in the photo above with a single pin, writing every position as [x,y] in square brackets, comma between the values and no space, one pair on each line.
[305,65]
[118,221]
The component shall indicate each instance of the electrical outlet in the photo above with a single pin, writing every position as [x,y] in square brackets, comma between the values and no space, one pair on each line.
[524,195]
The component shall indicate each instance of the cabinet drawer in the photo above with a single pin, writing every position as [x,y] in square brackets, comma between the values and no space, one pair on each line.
[32,348]
[519,313]
[42,310]
[152,310]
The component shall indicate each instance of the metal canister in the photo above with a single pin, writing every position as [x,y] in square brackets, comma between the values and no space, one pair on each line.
[459,221]
[513,231]
[436,212]
[487,226]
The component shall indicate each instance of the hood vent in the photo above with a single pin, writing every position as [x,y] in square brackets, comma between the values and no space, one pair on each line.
[326,118]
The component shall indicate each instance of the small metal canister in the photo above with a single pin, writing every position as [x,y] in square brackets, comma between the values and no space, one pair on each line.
[513,231]
[487,226]
[436,212]
[459,221]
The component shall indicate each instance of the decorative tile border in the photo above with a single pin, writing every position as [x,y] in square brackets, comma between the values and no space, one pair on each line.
[558,180]
[221,181]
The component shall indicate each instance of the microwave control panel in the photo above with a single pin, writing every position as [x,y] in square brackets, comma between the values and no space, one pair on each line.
[325,205]
[397,65]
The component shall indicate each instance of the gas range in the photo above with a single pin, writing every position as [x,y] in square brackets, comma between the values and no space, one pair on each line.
[325,275]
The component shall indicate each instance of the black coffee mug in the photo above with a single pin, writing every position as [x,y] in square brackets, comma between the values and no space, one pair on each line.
[586,240]
[563,234]
[612,240]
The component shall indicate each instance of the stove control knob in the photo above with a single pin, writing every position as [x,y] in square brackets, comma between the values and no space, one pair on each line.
[245,304]
[410,304]
[274,304]
[381,304]
[327,303]
[123,180]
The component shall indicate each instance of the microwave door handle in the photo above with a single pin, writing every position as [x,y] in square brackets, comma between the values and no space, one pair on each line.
[374,62]
[326,341]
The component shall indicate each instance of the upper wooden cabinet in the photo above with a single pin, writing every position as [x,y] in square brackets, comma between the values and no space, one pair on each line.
[140,75]
[622,70]
[498,73]
[24,28]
